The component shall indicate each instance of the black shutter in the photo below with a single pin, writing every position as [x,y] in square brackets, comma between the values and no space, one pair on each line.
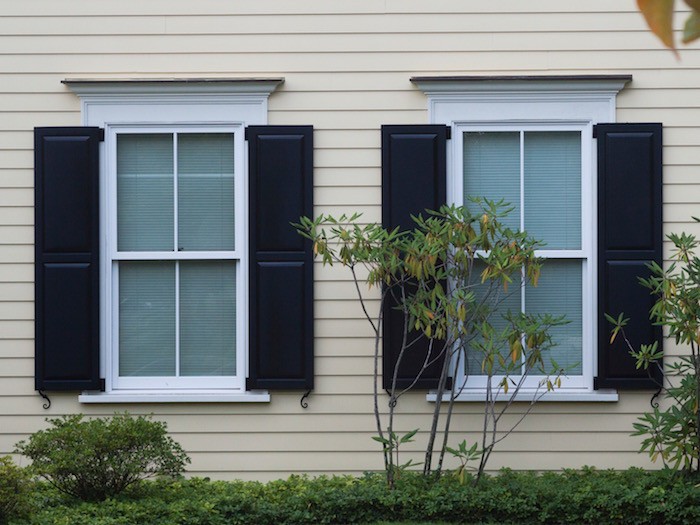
[281,261]
[629,237]
[413,180]
[67,309]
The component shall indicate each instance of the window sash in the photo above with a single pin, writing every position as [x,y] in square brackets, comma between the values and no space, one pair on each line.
[583,381]
[114,256]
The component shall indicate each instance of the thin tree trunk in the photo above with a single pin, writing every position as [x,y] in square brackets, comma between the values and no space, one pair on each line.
[448,420]
[436,413]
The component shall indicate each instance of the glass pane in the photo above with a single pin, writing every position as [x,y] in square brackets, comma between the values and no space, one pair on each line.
[208,318]
[553,188]
[205,191]
[492,170]
[145,192]
[559,292]
[501,302]
[146,319]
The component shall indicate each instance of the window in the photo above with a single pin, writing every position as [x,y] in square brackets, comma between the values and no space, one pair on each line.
[529,141]
[176,268]
[165,250]
[539,171]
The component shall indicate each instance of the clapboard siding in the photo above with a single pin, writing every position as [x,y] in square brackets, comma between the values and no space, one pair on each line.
[347,67]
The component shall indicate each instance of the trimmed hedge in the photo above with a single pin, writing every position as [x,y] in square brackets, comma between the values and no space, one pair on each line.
[587,496]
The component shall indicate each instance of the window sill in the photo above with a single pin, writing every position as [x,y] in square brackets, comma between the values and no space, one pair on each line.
[255,396]
[596,396]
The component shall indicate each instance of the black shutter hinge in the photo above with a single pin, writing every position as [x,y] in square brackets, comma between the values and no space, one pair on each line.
[101,135]
[103,387]
[595,131]
[246,135]
[47,403]
[449,132]
[248,383]
[596,383]
[302,401]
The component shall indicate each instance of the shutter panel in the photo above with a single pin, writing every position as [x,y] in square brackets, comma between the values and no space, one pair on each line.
[413,180]
[67,308]
[629,237]
[281,261]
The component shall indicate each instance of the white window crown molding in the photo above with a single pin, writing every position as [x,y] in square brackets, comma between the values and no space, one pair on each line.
[164,86]
[521,84]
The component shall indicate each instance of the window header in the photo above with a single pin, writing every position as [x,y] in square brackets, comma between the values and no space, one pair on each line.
[521,83]
[141,86]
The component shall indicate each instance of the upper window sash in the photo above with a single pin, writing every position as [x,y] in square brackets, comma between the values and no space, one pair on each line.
[455,183]
[240,192]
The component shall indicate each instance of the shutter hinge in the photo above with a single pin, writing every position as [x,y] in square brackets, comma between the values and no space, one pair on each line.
[247,384]
[449,132]
[245,134]
[103,387]
[595,131]
[101,135]
[47,403]
[596,383]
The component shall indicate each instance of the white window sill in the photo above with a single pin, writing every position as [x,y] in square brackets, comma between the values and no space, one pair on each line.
[255,396]
[596,396]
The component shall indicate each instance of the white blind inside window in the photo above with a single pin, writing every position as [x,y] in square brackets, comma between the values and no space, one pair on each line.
[552,165]
[146,318]
[492,170]
[559,292]
[205,191]
[208,318]
[503,301]
[551,212]
[145,211]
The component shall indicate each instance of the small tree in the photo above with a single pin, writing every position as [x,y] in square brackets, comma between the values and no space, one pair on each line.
[448,276]
[672,433]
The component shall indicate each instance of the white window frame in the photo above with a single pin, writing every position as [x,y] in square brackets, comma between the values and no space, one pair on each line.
[113,257]
[170,106]
[455,180]
[541,104]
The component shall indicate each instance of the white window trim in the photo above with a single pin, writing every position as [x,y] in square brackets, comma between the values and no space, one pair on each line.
[230,104]
[113,256]
[578,102]
[584,254]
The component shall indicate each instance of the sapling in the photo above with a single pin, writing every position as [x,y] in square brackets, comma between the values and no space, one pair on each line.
[448,277]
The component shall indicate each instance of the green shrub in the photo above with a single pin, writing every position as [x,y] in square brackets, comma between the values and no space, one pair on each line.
[14,488]
[570,497]
[98,458]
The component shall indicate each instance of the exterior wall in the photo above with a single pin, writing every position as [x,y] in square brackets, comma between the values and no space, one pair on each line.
[347,67]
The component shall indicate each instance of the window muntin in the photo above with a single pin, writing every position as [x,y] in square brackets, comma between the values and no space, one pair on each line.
[177,321]
[542,170]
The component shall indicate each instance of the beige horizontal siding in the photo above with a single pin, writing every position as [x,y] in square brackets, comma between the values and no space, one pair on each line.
[347,67]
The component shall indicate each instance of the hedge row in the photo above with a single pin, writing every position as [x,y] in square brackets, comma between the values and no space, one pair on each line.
[587,496]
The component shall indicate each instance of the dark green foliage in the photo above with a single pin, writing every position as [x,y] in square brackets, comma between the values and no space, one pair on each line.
[571,497]
[99,458]
[672,432]
[14,488]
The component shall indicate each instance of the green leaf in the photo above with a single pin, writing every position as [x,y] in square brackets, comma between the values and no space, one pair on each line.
[691,30]
[408,437]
